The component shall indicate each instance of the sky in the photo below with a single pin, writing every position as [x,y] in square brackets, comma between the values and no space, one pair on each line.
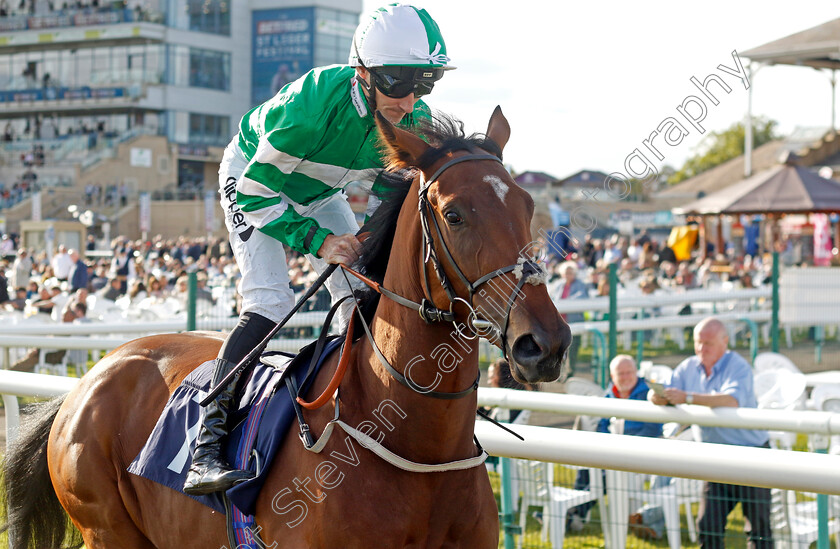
[584,83]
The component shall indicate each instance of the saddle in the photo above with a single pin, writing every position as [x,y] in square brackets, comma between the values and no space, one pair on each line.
[258,428]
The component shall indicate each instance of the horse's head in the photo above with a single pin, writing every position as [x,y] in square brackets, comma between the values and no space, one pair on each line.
[476,252]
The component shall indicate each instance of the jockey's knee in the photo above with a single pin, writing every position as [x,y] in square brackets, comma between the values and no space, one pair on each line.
[245,336]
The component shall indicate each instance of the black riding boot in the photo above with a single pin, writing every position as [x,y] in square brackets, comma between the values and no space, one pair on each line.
[209,472]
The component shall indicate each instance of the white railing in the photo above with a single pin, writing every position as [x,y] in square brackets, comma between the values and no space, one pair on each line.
[798,421]
[78,336]
[715,462]
[108,344]
[602,304]
[651,323]
[299,320]
[801,471]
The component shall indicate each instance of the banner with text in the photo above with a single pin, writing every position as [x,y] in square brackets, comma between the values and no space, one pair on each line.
[283,49]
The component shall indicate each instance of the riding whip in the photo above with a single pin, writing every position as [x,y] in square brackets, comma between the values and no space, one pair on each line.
[256,351]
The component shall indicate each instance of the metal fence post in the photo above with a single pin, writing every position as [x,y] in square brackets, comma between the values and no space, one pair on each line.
[613,346]
[753,338]
[640,340]
[820,443]
[192,287]
[774,321]
[509,526]
[819,339]
[601,372]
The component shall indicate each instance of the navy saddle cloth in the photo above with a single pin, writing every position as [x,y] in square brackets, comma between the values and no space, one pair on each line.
[167,454]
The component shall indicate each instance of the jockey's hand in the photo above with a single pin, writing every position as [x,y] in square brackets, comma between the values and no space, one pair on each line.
[343,248]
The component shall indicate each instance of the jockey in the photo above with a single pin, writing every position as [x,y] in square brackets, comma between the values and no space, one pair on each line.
[281,181]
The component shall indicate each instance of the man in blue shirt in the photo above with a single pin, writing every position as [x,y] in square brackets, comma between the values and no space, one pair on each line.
[626,383]
[78,272]
[716,377]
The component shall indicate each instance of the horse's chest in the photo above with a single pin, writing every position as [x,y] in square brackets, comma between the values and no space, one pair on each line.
[378,509]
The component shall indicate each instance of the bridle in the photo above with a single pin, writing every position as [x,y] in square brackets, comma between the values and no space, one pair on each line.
[525,270]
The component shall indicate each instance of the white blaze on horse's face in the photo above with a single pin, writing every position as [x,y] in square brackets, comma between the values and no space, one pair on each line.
[498,185]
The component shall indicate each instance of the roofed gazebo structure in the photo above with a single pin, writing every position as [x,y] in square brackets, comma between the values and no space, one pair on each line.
[817,47]
[787,188]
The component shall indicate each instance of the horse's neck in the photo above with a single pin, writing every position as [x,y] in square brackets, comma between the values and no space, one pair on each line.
[426,429]
[418,427]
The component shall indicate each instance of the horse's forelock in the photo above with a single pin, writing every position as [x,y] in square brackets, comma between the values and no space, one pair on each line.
[445,134]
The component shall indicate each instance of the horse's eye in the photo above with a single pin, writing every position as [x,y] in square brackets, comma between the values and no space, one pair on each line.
[453,218]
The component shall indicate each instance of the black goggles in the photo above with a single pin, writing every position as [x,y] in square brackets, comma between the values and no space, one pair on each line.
[398,82]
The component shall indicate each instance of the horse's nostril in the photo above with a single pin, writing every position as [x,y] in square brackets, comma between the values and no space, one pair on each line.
[527,351]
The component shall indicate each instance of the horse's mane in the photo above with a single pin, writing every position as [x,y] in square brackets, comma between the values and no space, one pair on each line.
[445,134]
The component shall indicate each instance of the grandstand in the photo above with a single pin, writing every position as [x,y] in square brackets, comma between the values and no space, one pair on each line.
[102,102]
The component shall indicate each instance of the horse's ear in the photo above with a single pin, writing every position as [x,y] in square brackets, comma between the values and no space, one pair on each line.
[403,147]
[498,129]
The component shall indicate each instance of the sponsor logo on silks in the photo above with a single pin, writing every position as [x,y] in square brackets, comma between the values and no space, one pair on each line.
[234,213]
[356,97]
[428,74]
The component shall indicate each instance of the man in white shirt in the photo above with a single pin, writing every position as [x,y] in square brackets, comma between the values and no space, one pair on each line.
[61,263]
[7,247]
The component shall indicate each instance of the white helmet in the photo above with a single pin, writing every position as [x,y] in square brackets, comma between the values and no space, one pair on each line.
[398,35]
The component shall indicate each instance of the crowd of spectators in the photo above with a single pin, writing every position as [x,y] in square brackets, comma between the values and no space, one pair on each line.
[645,267]
[135,274]
[157,269]
[19,190]
[41,127]
[107,195]
[136,11]
[152,275]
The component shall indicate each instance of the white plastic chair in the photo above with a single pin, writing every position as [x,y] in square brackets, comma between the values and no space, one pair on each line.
[823,394]
[44,367]
[681,491]
[626,491]
[796,522]
[826,398]
[774,361]
[584,387]
[780,389]
[537,481]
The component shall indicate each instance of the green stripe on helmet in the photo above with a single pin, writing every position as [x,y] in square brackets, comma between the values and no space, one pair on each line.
[433,33]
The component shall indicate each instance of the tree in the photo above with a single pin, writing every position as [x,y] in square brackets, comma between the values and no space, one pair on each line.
[718,147]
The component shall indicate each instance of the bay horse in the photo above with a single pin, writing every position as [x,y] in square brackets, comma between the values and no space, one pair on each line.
[451,240]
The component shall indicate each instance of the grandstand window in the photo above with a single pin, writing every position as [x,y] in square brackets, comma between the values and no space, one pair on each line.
[208,129]
[334,32]
[5,72]
[97,67]
[209,16]
[50,69]
[209,69]
[101,74]
[119,64]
